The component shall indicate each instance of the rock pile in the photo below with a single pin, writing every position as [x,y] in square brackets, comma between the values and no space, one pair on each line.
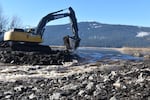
[35,58]
[130,82]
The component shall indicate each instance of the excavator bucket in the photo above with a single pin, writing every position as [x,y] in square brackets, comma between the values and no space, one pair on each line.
[71,43]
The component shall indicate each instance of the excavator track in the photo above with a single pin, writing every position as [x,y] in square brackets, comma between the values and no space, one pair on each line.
[28,47]
[31,48]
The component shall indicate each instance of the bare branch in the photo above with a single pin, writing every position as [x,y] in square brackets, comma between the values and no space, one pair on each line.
[15,22]
[3,21]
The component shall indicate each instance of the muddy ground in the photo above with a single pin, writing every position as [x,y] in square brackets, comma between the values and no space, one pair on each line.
[105,79]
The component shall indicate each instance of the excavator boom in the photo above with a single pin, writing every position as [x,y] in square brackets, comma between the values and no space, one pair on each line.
[58,15]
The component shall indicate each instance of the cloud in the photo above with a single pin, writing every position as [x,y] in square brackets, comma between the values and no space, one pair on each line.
[143,34]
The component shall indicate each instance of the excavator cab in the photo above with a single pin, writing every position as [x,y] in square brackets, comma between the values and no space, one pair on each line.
[31,30]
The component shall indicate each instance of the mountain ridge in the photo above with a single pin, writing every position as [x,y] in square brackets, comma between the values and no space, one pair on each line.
[100,34]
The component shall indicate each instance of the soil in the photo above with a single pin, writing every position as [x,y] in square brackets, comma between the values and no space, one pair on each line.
[55,57]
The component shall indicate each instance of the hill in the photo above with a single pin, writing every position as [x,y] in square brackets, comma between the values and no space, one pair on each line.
[100,35]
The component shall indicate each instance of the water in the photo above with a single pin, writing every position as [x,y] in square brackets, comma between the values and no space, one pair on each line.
[95,54]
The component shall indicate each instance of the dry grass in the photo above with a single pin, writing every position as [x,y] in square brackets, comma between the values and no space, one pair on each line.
[125,50]
[130,50]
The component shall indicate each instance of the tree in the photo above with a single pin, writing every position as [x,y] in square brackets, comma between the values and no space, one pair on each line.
[3,21]
[6,24]
[15,22]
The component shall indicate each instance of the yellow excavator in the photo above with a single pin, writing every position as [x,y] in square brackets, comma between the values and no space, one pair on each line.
[30,39]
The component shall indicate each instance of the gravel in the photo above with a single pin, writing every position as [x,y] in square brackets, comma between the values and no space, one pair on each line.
[129,82]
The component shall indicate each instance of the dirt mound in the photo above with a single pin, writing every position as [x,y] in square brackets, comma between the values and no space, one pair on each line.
[55,57]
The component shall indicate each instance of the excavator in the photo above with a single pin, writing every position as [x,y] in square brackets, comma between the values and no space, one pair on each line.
[31,39]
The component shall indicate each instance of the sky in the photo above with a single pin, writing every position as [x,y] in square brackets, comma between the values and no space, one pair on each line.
[125,12]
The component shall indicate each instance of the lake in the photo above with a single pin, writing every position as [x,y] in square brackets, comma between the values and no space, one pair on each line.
[93,54]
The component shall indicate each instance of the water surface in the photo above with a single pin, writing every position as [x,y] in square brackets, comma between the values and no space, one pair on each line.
[96,53]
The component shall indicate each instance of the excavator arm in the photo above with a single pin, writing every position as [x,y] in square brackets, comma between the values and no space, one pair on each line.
[58,15]
[45,20]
